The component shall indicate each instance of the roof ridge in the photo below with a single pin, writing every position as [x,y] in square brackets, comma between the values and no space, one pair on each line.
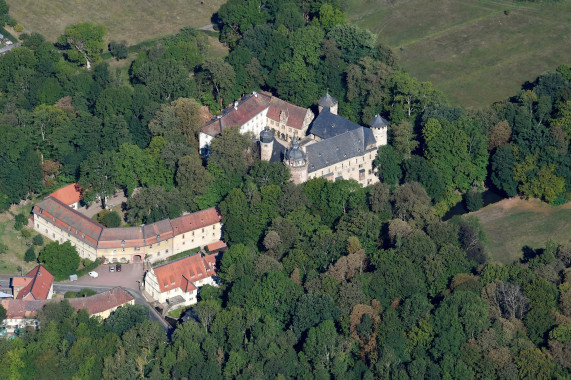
[75,211]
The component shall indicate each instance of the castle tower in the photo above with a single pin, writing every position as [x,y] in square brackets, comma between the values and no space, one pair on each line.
[266,144]
[328,101]
[296,161]
[380,128]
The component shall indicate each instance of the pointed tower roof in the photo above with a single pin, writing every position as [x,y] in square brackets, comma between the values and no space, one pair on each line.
[327,101]
[379,122]
[295,156]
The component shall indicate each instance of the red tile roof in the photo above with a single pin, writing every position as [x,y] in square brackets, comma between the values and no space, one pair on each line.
[39,284]
[162,229]
[180,272]
[103,301]
[69,219]
[18,308]
[295,114]
[68,195]
[196,220]
[114,237]
[218,245]
[246,110]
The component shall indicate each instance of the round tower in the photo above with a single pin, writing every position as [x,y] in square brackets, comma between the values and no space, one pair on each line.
[266,144]
[380,127]
[328,101]
[296,161]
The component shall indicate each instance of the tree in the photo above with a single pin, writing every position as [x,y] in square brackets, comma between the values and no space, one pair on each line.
[61,260]
[388,166]
[38,240]
[499,135]
[404,139]
[126,317]
[84,41]
[97,176]
[231,152]
[192,178]
[118,50]
[221,75]
[2,314]
[30,255]
[111,219]
[502,177]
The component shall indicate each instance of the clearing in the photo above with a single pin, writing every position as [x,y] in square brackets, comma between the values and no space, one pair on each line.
[514,223]
[471,50]
[126,20]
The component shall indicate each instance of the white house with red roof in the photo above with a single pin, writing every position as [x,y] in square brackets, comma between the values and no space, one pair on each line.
[177,283]
[37,284]
[253,113]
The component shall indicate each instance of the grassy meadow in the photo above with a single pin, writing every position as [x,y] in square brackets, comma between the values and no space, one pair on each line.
[15,242]
[470,49]
[130,20]
[514,223]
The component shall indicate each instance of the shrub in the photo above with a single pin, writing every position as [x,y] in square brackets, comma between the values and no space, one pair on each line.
[20,221]
[473,200]
[38,240]
[118,50]
[3,248]
[12,22]
[30,255]
[18,28]
[26,233]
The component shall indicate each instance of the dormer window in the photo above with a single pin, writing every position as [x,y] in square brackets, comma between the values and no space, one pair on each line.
[69,228]
[123,243]
[158,237]
[83,236]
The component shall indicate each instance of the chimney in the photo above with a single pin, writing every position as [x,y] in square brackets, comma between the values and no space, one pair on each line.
[236,105]
[255,94]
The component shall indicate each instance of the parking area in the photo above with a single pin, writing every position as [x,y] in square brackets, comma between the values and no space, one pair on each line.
[129,276]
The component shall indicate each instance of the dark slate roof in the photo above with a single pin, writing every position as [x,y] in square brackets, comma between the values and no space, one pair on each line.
[327,101]
[327,125]
[278,152]
[379,122]
[266,136]
[342,147]
[295,154]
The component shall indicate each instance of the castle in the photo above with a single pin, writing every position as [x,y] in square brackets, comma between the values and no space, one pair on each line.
[334,148]
[327,146]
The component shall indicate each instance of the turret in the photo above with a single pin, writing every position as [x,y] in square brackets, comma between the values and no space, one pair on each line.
[328,101]
[296,161]
[380,127]
[266,144]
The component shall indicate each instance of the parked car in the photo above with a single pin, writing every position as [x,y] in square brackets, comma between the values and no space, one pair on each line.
[111,268]
[93,274]
[118,267]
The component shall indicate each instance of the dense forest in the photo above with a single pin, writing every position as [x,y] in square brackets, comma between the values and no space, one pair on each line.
[321,280]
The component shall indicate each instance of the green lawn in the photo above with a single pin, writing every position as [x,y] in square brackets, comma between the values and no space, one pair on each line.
[513,224]
[470,49]
[129,20]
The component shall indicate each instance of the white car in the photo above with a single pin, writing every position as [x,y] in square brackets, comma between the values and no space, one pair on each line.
[93,274]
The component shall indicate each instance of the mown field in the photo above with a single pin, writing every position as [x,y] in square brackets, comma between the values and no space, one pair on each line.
[130,20]
[512,224]
[470,49]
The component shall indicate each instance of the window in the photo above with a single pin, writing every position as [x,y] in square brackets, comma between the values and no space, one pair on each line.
[54,235]
[37,225]
[183,236]
[203,230]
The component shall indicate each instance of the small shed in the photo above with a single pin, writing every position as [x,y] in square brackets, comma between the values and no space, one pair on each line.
[73,277]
